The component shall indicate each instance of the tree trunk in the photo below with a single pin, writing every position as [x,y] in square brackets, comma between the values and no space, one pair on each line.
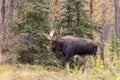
[5,26]
[48,15]
[78,13]
[117,23]
[1,26]
[69,17]
[102,35]
[91,8]
[117,12]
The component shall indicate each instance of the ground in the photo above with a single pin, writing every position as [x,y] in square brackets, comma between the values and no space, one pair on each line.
[37,72]
[107,70]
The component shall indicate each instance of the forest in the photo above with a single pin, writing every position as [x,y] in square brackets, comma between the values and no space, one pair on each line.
[26,26]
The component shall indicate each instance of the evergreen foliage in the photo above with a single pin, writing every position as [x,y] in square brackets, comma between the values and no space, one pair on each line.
[32,43]
[74,20]
[113,44]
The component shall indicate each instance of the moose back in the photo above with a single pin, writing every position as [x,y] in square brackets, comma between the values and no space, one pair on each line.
[70,46]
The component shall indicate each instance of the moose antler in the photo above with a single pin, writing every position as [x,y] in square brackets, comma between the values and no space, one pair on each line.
[50,35]
[52,31]
[47,36]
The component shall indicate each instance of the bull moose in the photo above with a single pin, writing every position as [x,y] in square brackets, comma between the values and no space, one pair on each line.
[70,45]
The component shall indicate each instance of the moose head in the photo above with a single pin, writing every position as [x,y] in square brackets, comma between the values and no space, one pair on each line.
[70,45]
[53,40]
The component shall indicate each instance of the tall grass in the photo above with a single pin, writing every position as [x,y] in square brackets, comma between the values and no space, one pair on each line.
[92,70]
[111,71]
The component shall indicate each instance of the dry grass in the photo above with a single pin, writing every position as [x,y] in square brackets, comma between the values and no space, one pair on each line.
[37,72]
[28,72]
[6,72]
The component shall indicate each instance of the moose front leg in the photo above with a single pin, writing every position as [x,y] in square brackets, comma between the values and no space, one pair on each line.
[57,54]
[66,60]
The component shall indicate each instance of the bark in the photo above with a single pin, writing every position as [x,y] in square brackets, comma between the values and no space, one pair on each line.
[2,11]
[69,23]
[91,8]
[117,18]
[102,35]
[78,14]
[48,15]
[5,26]
[105,25]
[117,22]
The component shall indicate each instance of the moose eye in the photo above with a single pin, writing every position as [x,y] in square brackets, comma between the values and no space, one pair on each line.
[53,43]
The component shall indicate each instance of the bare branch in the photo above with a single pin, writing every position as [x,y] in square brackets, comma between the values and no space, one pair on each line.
[61,30]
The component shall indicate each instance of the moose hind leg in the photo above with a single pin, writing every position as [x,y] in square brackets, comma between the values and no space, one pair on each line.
[95,54]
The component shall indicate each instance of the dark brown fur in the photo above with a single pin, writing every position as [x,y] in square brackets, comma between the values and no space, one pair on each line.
[70,46]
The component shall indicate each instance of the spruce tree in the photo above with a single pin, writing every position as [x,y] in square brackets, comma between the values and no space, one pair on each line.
[76,21]
[32,43]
